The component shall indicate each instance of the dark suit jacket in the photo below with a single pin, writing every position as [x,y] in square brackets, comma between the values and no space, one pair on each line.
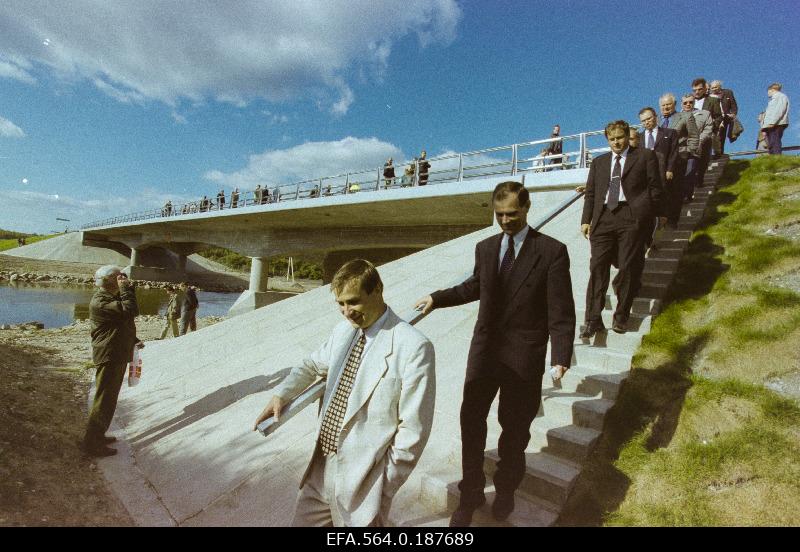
[666,149]
[711,104]
[728,102]
[513,327]
[641,182]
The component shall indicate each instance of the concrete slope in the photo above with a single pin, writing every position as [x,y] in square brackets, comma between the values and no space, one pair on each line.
[68,248]
[194,459]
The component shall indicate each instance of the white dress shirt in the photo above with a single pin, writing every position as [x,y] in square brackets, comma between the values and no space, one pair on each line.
[655,137]
[698,104]
[519,239]
[624,155]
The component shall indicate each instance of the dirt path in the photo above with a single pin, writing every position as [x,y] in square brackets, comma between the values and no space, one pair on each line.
[45,480]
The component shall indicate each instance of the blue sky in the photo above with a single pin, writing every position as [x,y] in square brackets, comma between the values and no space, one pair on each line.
[108,107]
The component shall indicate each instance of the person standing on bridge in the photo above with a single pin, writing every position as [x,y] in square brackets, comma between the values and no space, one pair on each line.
[377,410]
[221,200]
[522,280]
[111,311]
[423,166]
[234,198]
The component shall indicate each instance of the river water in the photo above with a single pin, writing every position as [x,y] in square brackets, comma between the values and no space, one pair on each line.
[57,305]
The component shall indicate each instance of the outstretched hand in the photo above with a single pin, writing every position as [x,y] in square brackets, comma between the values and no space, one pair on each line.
[273,408]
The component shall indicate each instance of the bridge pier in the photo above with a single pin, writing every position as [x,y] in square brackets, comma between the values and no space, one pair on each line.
[256,295]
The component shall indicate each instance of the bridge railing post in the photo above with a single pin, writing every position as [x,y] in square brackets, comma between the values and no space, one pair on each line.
[460,167]
[514,160]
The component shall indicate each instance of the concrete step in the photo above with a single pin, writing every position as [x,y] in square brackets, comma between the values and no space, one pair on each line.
[580,410]
[627,343]
[641,306]
[657,279]
[547,478]
[586,381]
[528,511]
[571,442]
[661,264]
[636,322]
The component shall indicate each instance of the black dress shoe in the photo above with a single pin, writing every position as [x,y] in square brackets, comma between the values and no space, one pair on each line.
[590,329]
[98,450]
[619,327]
[108,439]
[502,506]
[462,517]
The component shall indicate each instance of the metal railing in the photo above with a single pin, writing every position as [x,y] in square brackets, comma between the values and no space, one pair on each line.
[317,390]
[511,160]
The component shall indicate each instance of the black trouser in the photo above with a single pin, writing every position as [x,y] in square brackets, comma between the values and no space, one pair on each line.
[617,236]
[775,139]
[702,164]
[674,191]
[519,403]
[108,382]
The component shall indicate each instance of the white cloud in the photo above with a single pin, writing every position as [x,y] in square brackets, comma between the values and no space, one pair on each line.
[11,70]
[178,118]
[308,160]
[233,52]
[31,211]
[10,130]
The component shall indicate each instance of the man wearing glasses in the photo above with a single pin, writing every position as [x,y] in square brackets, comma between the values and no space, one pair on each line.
[696,142]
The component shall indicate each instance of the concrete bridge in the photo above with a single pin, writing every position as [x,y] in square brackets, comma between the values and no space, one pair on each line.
[380,226]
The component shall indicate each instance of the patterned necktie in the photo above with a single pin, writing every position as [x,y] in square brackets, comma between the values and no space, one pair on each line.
[613,188]
[650,142]
[508,260]
[665,122]
[334,415]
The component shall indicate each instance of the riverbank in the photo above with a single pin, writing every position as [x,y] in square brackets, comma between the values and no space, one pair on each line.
[45,375]
[22,269]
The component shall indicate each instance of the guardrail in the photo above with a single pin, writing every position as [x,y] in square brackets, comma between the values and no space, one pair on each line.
[317,390]
[512,160]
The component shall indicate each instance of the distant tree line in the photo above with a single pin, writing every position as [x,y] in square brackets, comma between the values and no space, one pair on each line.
[303,268]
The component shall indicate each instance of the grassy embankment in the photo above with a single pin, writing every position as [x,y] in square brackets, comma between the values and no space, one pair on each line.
[304,269]
[8,239]
[695,437]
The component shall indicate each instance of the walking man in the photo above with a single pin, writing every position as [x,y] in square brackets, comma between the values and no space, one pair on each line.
[521,278]
[377,409]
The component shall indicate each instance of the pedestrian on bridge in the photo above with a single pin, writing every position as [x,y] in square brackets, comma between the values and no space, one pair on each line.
[221,200]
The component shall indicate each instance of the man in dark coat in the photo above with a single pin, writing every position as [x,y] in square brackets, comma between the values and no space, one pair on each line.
[522,280]
[664,143]
[111,311]
[620,200]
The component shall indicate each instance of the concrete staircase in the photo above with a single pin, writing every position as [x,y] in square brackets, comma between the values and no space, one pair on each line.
[572,414]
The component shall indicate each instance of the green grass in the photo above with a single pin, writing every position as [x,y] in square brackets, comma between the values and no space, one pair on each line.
[10,243]
[695,437]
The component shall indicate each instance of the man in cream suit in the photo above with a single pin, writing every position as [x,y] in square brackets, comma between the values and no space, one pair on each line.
[377,409]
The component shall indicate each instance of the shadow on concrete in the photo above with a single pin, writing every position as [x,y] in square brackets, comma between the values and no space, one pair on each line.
[208,406]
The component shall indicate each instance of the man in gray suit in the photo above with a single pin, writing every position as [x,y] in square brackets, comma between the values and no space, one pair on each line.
[377,410]
[684,126]
[704,102]
[696,144]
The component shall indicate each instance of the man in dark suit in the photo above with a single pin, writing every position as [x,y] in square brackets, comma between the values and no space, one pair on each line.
[727,102]
[620,199]
[702,101]
[522,280]
[664,143]
[686,127]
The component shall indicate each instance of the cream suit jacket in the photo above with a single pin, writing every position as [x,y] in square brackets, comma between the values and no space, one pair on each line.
[388,417]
